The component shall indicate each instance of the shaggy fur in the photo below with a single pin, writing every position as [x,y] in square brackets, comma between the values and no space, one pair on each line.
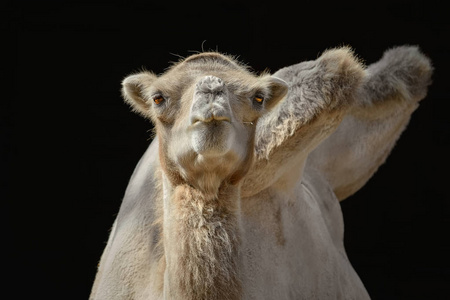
[391,91]
[238,198]
[326,84]
[207,231]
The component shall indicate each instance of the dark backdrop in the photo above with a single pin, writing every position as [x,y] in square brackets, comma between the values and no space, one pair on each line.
[69,144]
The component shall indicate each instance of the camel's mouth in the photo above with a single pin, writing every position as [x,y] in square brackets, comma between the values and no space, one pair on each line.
[209,118]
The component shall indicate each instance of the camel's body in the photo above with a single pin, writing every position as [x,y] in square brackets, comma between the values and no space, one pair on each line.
[285,229]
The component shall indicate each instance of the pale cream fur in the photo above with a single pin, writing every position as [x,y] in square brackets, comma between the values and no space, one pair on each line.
[236,199]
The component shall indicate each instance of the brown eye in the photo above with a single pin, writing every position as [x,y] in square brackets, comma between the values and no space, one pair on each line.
[259,99]
[158,99]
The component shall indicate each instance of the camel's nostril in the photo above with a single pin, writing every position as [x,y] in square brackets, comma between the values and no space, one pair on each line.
[210,84]
[211,101]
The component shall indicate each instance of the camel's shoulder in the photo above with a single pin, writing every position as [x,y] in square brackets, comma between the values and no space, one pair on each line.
[144,187]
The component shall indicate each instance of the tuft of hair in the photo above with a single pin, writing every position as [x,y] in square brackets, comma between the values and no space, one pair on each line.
[214,59]
[402,73]
[342,72]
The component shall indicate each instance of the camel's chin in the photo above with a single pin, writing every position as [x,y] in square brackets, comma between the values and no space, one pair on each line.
[213,138]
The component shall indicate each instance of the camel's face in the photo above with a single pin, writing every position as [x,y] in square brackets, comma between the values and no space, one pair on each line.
[212,130]
[215,129]
[205,110]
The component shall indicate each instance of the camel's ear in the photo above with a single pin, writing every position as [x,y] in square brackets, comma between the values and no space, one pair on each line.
[278,89]
[133,91]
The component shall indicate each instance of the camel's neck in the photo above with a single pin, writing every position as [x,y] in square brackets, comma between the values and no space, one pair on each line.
[201,240]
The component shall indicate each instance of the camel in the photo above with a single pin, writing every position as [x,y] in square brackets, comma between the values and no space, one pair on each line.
[237,196]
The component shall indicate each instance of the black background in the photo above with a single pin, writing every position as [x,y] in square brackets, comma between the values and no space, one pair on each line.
[69,144]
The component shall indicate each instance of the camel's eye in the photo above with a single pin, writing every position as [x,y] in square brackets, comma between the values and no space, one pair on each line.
[259,99]
[158,99]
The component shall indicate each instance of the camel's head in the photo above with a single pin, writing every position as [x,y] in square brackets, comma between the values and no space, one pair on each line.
[205,110]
